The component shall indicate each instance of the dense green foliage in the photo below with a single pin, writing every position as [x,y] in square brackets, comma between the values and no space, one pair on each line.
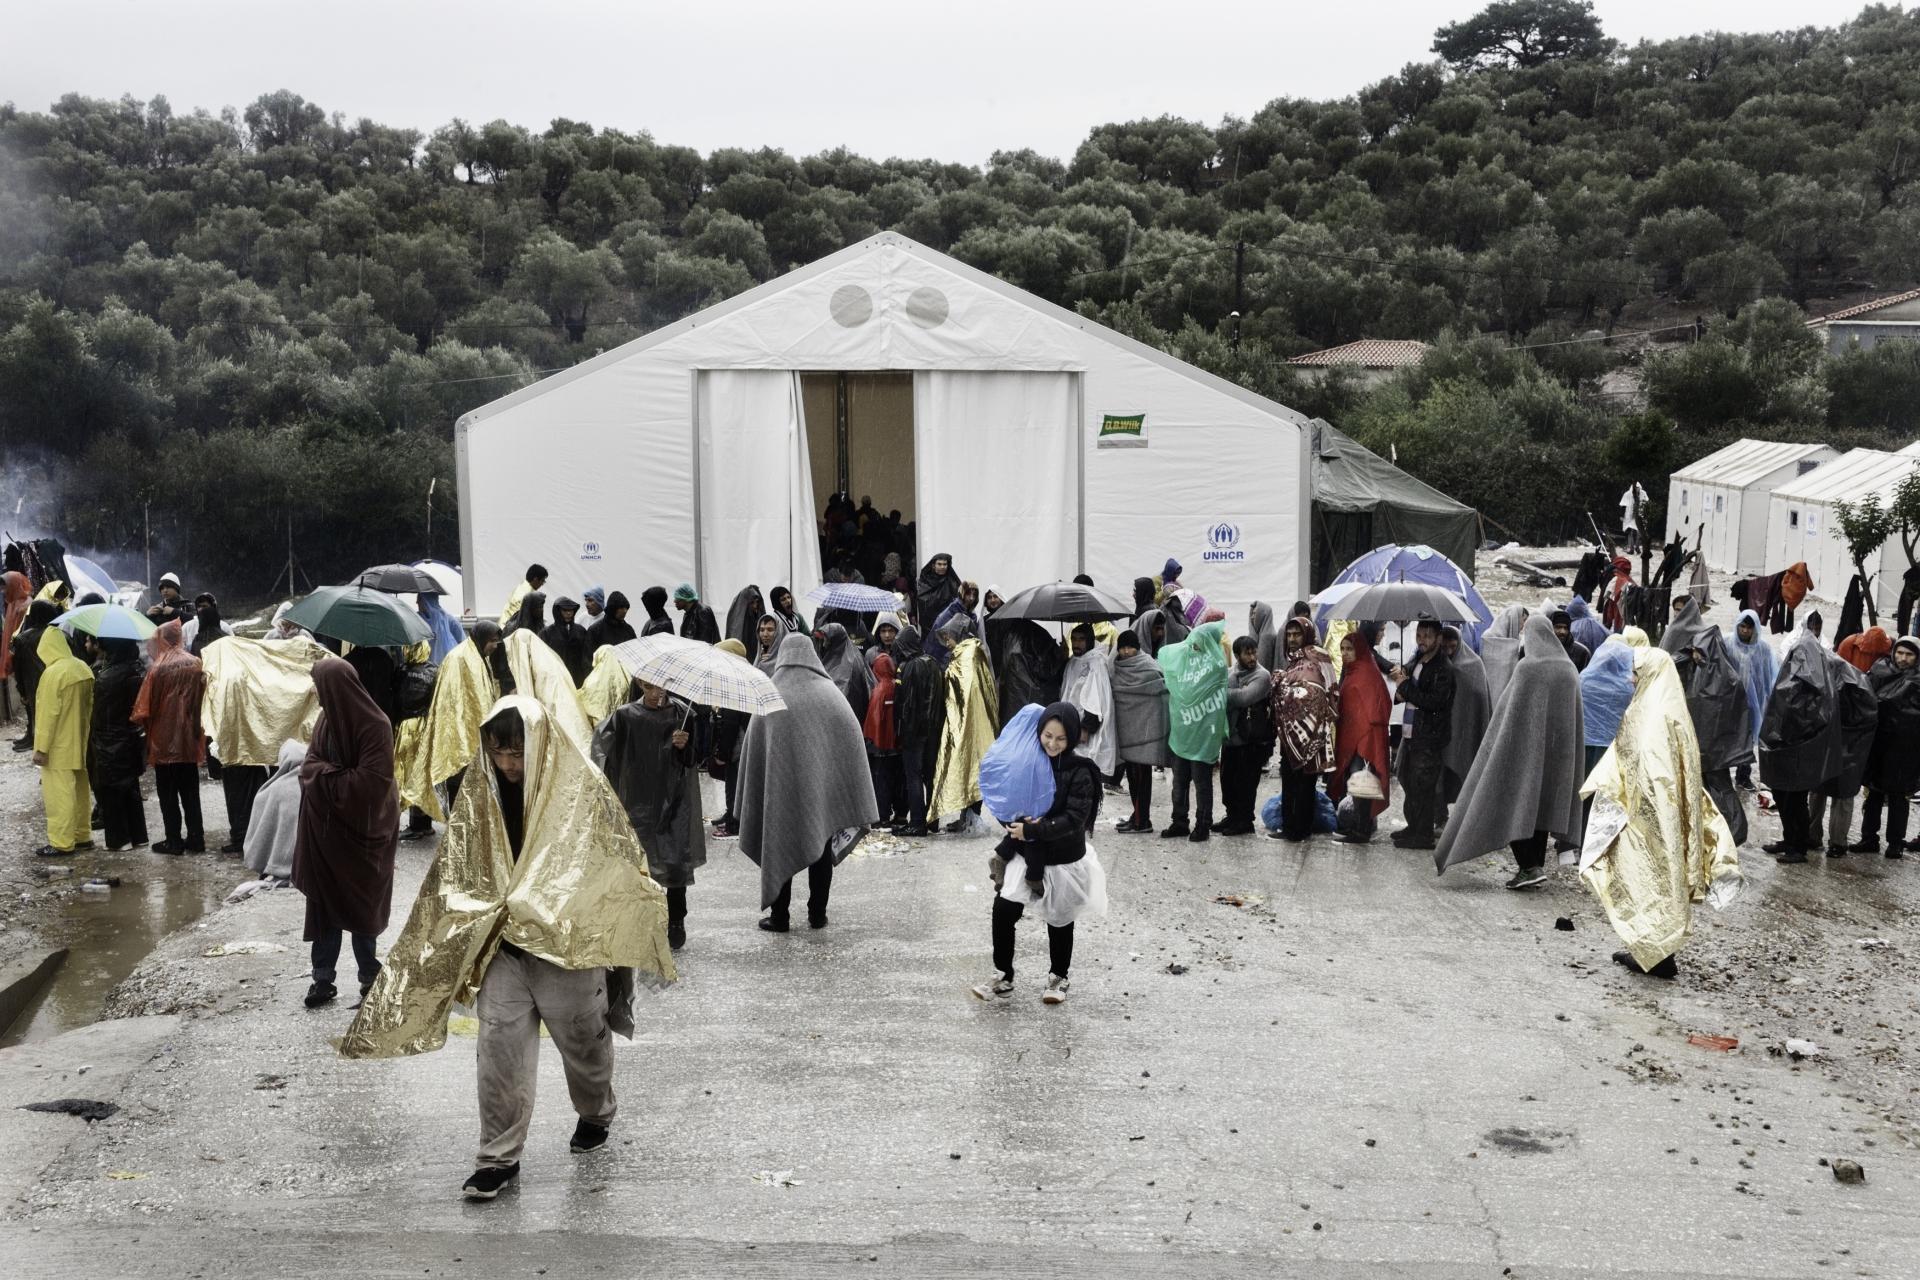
[277,313]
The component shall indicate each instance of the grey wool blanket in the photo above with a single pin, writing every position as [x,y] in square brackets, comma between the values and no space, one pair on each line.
[1527,775]
[803,773]
[1140,711]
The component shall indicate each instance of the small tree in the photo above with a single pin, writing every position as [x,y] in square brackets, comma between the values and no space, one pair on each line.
[1905,511]
[1866,526]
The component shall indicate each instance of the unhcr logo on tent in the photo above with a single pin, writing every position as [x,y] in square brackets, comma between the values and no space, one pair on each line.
[1223,544]
[589,551]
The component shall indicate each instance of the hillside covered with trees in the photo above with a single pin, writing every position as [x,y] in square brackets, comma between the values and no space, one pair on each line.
[274,313]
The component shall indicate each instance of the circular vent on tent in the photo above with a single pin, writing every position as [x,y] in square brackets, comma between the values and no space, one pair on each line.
[851,306]
[927,307]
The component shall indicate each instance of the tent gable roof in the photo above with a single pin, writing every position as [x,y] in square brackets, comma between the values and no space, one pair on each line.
[1348,476]
[1854,475]
[1744,461]
[899,290]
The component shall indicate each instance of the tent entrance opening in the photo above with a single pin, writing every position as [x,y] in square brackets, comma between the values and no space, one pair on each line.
[860,442]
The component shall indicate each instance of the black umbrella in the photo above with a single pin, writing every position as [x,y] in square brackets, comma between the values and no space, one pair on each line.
[399,578]
[1063,602]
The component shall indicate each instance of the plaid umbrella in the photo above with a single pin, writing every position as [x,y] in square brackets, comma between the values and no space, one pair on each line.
[855,597]
[107,621]
[700,673]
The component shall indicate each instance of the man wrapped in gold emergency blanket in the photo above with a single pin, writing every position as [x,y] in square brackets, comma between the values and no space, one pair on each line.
[1655,843]
[578,897]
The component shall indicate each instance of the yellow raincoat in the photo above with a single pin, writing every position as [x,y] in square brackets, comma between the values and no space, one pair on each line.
[62,719]
[259,695]
[1655,843]
[434,747]
[973,703]
[54,592]
[607,687]
[539,674]
[579,895]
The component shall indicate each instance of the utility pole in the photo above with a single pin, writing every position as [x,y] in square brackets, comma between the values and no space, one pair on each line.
[430,486]
[1239,288]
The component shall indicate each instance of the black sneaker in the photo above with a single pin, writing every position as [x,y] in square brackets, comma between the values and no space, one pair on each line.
[171,848]
[321,993]
[1529,877]
[676,939]
[1200,833]
[48,851]
[1864,846]
[587,1136]
[1175,831]
[485,1184]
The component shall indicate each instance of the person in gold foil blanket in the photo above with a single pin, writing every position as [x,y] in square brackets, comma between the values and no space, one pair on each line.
[1655,843]
[971,722]
[539,909]
[433,751]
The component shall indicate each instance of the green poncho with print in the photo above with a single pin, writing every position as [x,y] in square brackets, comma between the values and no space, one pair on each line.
[1196,671]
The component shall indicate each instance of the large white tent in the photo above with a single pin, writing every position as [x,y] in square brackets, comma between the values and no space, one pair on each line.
[1041,445]
[1721,502]
[1801,524]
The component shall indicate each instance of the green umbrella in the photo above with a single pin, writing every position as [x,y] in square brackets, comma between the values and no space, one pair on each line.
[360,616]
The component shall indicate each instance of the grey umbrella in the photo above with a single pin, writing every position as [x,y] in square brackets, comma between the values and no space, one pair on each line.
[1063,602]
[1401,602]
[399,578]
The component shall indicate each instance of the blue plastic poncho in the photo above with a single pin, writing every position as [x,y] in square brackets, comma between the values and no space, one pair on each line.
[1606,687]
[1587,629]
[447,633]
[1016,774]
[1759,665]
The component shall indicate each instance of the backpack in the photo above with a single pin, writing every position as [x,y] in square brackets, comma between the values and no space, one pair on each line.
[415,695]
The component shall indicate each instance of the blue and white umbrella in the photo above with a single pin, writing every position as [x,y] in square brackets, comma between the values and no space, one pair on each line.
[854,597]
[107,621]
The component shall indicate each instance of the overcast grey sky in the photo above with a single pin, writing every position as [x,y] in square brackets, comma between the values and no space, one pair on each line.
[952,81]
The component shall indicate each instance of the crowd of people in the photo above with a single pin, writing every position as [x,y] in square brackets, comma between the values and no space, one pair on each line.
[571,798]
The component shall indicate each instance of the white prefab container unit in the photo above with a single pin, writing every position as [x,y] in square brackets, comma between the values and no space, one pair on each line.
[1720,502]
[1028,442]
[1801,524]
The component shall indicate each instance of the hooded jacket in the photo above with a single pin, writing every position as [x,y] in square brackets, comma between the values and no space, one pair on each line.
[610,630]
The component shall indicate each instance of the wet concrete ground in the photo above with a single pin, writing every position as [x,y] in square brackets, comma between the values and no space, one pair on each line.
[1363,1070]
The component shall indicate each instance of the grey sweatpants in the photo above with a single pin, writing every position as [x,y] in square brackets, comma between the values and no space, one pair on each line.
[518,994]
[1839,819]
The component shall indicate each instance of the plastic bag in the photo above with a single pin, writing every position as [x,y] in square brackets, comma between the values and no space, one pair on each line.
[1270,813]
[1016,774]
[1354,818]
[1363,783]
[1323,816]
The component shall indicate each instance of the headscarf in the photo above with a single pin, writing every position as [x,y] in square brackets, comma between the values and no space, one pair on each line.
[1759,665]
[349,809]
[578,896]
[1672,847]
[743,617]
[804,780]
[1170,571]
[595,594]
[1365,708]
[879,724]
[1144,592]
[447,633]
[1866,648]
[168,706]
[1606,687]
[1528,773]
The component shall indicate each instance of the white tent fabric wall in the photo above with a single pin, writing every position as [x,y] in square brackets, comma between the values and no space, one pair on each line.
[592,471]
[998,459]
[756,490]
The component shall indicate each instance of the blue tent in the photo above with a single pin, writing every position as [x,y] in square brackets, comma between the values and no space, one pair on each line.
[1395,563]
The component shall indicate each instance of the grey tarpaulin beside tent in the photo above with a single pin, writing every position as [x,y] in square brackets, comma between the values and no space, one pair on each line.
[1362,501]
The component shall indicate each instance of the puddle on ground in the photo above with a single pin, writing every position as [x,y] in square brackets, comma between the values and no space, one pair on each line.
[107,935]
